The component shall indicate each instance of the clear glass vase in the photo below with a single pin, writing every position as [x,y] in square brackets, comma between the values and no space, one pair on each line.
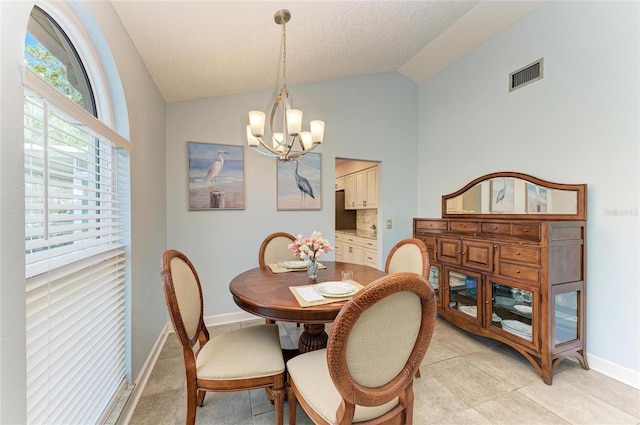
[312,270]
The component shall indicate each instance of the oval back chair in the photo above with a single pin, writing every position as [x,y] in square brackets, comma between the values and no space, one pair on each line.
[274,248]
[241,359]
[365,375]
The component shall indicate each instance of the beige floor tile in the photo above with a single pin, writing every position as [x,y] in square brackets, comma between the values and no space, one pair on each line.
[575,405]
[433,401]
[607,389]
[515,408]
[514,371]
[467,381]
[156,409]
[466,417]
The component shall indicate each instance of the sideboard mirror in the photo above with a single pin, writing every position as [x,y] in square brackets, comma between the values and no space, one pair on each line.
[516,196]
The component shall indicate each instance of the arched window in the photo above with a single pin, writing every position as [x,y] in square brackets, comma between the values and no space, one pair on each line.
[76,236]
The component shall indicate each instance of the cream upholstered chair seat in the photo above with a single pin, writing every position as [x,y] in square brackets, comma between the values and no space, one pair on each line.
[316,388]
[238,360]
[365,375]
[245,353]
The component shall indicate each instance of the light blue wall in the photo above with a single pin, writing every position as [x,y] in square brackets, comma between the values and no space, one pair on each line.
[580,124]
[371,117]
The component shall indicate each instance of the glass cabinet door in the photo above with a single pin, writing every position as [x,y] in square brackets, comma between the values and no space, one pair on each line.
[462,292]
[566,306]
[514,309]
[434,279]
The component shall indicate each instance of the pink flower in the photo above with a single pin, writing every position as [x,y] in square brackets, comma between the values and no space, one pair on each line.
[310,247]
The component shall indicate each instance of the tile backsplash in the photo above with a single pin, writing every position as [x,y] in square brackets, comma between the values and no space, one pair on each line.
[365,219]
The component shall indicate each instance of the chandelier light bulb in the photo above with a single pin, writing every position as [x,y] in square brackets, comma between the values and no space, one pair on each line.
[256,121]
[294,121]
[317,131]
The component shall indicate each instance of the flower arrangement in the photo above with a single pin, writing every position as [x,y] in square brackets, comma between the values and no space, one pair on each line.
[310,247]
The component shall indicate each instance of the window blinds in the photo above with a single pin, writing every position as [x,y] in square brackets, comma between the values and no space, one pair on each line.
[76,244]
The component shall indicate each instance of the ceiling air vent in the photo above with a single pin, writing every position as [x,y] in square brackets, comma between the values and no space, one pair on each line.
[526,75]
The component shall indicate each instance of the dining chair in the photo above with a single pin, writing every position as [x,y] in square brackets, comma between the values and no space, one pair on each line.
[409,255]
[237,360]
[274,248]
[365,375]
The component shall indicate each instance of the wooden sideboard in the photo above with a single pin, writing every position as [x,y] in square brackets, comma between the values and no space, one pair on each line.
[513,272]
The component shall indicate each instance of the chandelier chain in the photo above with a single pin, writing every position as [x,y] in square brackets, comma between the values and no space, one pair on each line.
[284,56]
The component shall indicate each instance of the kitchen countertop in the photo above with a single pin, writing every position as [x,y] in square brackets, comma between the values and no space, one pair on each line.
[359,233]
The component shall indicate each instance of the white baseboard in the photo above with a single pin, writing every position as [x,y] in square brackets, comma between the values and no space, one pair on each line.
[615,371]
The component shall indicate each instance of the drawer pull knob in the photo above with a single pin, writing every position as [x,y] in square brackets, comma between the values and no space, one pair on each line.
[525,230]
[495,227]
[517,271]
[517,252]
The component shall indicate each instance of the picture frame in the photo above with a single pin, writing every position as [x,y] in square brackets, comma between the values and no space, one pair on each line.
[536,198]
[299,183]
[216,176]
[502,195]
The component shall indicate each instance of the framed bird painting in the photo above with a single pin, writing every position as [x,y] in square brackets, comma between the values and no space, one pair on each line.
[216,176]
[299,183]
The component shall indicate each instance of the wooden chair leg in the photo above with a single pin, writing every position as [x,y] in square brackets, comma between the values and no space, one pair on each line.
[192,404]
[292,406]
[201,395]
[278,401]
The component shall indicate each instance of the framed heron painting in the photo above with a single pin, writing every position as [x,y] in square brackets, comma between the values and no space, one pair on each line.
[216,176]
[299,183]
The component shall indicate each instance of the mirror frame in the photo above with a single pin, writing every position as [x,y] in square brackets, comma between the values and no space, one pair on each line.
[580,189]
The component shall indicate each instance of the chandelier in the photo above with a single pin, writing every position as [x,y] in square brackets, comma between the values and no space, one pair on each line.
[292,143]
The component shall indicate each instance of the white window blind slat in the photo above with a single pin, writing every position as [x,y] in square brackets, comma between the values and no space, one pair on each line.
[76,237]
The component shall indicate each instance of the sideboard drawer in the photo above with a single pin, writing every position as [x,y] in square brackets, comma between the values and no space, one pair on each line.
[429,241]
[431,224]
[496,228]
[520,254]
[519,271]
[465,226]
[527,230]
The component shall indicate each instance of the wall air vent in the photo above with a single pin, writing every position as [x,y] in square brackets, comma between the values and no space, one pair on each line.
[526,75]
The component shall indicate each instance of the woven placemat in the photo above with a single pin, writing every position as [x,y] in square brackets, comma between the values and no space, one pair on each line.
[276,268]
[327,300]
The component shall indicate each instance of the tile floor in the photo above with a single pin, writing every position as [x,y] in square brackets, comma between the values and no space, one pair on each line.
[465,380]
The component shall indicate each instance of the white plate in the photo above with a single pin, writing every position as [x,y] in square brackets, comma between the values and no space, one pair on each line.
[517,327]
[524,309]
[295,264]
[471,310]
[335,289]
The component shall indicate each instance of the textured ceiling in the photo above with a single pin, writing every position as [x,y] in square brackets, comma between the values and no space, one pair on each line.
[198,49]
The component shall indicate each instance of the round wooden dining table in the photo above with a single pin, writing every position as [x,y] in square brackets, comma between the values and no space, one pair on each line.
[264,293]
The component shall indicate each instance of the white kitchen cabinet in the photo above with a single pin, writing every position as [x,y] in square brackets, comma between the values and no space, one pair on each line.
[338,248]
[350,192]
[340,183]
[361,189]
[356,249]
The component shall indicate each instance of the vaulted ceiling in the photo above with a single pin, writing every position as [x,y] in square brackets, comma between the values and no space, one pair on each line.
[199,49]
